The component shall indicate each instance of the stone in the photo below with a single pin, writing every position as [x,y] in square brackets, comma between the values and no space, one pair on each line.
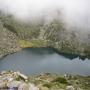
[44,88]
[33,87]
[22,76]
[70,88]
[24,86]
[79,89]
[2,84]
[14,84]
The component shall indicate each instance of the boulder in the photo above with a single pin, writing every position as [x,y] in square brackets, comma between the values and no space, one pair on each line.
[24,86]
[14,84]
[70,88]
[33,87]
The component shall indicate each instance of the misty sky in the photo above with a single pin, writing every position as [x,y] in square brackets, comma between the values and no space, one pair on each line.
[74,11]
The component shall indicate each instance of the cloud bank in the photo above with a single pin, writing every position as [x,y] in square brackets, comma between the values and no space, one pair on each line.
[74,11]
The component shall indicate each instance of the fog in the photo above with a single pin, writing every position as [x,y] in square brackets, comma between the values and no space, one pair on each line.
[74,12]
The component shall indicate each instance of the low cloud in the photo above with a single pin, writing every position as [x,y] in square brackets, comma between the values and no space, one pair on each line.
[75,12]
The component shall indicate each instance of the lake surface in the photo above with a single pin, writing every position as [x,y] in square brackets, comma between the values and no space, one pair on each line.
[44,60]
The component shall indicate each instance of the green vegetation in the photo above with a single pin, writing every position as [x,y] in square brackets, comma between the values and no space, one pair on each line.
[48,85]
[32,43]
[60,80]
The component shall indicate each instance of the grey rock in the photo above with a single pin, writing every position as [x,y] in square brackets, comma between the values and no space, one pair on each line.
[14,84]
[70,88]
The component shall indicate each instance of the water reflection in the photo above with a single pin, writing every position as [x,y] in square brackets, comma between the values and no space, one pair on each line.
[42,60]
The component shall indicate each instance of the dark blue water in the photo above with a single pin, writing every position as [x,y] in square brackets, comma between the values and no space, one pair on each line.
[35,61]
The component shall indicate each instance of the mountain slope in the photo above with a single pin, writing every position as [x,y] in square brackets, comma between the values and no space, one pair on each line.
[8,41]
[54,34]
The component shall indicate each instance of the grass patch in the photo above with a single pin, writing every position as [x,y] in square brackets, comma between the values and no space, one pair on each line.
[24,43]
[32,43]
[60,80]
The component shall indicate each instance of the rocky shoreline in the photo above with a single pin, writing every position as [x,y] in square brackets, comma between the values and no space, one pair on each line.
[10,80]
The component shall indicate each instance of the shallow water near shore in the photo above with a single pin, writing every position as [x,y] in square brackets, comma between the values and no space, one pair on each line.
[42,60]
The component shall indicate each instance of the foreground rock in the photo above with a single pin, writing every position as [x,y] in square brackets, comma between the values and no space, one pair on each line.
[16,81]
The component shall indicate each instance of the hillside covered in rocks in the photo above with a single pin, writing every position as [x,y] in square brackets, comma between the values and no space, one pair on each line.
[15,34]
[8,41]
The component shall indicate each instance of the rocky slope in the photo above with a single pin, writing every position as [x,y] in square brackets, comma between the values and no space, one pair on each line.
[8,42]
[40,34]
